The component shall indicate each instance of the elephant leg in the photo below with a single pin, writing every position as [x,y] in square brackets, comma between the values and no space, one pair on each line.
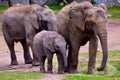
[69,57]
[35,59]
[49,66]
[60,63]
[42,64]
[27,57]
[10,44]
[73,57]
[93,44]
[29,39]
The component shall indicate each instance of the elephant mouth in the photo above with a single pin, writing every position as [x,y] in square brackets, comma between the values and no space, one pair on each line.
[90,25]
[43,25]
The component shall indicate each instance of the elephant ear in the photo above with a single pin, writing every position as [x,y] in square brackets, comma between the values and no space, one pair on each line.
[49,44]
[76,15]
[34,18]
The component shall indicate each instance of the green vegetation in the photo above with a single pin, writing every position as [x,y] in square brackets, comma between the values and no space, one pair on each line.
[55,8]
[20,76]
[111,72]
[115,12]
[3,7]
[90,77]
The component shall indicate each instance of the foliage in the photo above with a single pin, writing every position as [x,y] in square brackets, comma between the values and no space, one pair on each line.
[20,76]
[55,7]
[114,11]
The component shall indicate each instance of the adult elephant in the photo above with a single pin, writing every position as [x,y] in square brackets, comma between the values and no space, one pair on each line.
[79,24]
[21,23]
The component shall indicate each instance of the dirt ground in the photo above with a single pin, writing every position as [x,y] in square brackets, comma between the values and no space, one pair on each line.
[113,28]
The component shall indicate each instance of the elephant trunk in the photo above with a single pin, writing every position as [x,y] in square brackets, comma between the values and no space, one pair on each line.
[64,54]
[54,25]
[102,34]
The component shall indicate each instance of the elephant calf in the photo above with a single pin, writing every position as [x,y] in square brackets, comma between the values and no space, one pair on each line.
[46,43]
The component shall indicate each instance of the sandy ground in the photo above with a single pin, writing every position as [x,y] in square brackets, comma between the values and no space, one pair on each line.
[113,28]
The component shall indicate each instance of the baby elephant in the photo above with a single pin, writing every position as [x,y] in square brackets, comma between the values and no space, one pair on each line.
[46,43]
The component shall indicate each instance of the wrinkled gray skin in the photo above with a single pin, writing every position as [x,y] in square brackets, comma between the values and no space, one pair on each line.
[21,23]
[79,23]
[102,5]
[46,43]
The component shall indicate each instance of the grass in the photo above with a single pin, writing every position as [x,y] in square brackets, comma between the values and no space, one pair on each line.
[55,8]
[111,72]
[20,76]
[3,7]
[115,12]
[90,77]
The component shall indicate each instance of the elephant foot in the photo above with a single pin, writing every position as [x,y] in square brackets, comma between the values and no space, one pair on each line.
[49,71]
[90,72]
[42,71]
[60,72]
[100,69]
[14,63]
[35,63]
[66,69]
[28,61]
[73,71]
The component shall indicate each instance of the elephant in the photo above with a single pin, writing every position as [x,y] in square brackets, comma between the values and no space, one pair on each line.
[21,23]
[79,23]
[46,43]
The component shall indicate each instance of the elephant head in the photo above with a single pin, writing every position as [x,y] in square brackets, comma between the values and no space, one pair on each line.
[96,20]
[43,18]
[77,15]
[92,18]
[47,19]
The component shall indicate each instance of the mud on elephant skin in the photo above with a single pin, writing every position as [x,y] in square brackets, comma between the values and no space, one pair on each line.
[80,23]
[21,23]
[46,43]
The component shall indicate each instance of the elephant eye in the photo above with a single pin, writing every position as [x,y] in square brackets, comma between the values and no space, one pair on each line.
[74,9]
[90,15]
[100,12]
